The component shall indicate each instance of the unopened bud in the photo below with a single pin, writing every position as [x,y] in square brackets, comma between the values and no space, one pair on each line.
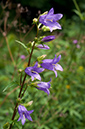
[35,20]
[40,58]
[20,70]
[36,39]
[29,103]
[45,28]
[18,100]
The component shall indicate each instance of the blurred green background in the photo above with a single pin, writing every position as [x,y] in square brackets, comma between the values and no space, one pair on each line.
[64,108]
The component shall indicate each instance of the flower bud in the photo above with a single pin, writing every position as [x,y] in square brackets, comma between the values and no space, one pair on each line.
[40,58]
[36,39]
[20,70]
[45,28]
[29,103]
[35,20]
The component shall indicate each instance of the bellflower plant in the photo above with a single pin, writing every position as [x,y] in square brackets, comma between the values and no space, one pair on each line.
[50,19]
[52,64]
[34,71]
[24,114]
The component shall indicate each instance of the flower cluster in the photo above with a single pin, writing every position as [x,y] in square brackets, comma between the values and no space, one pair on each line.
[49,20]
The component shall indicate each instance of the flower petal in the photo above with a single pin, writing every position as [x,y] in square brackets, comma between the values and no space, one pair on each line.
[35,66]
[38,70]
[28,70]
[57,16]
[48,38]
[56,60]
[51,11]
[28,117]
[30,111]
[48,66]
[23,119]
[44,89]
[47,91]
[21,109]
[53,25]
[43,46]
[55,72]
[44,85]
[47,60]
[58,67]
[35,75]
[41,18]
[19,119]
[32,77]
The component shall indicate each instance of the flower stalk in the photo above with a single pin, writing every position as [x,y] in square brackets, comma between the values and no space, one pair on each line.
[20,96]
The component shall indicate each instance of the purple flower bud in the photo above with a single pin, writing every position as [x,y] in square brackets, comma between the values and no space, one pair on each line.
[48,38]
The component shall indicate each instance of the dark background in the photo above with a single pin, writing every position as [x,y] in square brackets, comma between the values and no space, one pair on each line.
[60,6]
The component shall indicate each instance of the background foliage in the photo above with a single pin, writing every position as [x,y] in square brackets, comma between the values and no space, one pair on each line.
[64,108]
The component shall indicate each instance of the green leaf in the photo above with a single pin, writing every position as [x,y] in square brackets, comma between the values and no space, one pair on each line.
[73,112]
[79,14]
[21,44]
[10,85]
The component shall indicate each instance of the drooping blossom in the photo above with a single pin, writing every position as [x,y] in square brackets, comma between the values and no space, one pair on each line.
[34,71]
[50,19]
[44,86]
[43,46]
[24,114]
[48,38]
[75,41]
[52,64]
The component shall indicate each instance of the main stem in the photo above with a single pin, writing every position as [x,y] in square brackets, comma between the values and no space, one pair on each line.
[15,109]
